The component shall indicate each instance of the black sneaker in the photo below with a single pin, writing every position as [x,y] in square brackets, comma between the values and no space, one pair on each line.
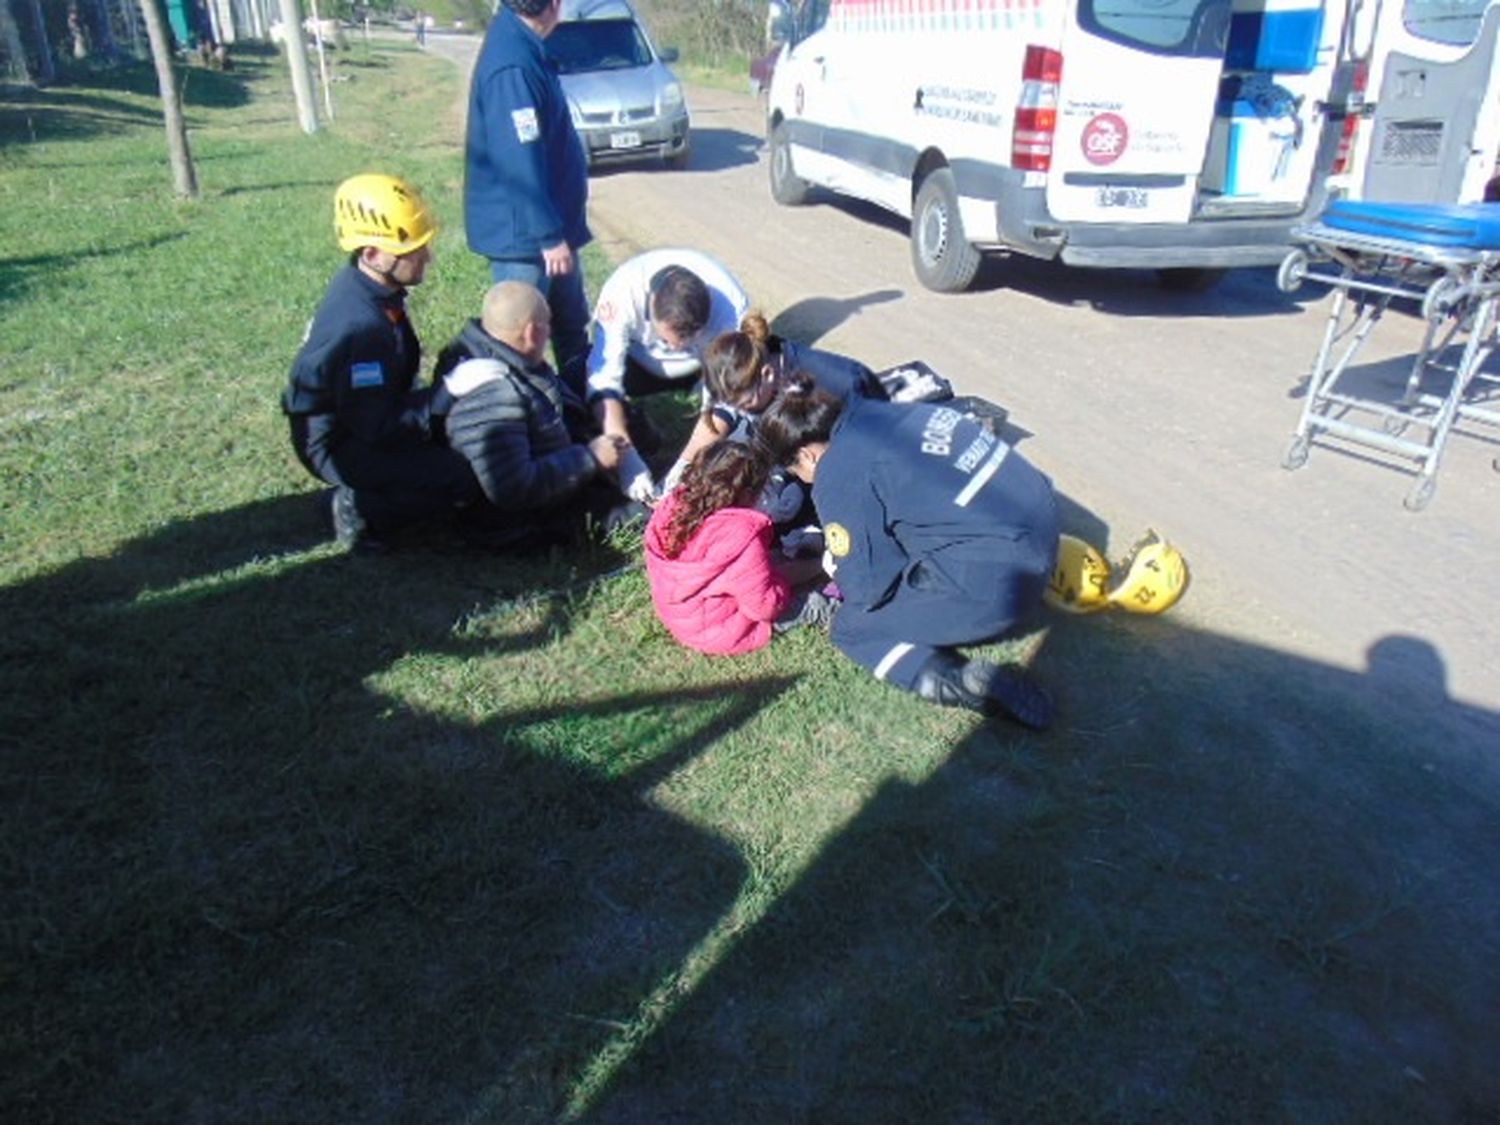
[349,527]
[1009,693]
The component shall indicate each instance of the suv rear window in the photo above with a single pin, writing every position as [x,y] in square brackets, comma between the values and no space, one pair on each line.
[1444,21]
[1192,28]
[597,45]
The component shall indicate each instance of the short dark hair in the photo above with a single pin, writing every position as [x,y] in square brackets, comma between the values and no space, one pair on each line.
[796,420]
[679,299]
[528,7]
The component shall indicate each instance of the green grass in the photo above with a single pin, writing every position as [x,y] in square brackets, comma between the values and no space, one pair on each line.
[293,835]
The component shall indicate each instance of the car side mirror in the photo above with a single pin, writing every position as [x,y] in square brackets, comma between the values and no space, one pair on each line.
[667,54]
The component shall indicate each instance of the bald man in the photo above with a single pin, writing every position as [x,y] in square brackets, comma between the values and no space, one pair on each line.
[543,465]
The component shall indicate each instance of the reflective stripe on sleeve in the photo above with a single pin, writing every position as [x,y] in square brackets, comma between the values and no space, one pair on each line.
[982,475]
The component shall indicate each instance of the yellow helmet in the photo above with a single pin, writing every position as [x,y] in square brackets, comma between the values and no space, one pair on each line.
[381,211]
[1079,580]
[1151,578]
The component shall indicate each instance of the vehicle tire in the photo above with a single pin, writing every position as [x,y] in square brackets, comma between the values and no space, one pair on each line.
[1190,279]
[940,253]
[679,161]
[787,188]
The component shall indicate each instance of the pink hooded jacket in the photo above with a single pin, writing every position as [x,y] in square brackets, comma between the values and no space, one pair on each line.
[721,593]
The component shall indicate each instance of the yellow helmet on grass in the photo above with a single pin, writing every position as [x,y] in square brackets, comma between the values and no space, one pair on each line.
[382,211]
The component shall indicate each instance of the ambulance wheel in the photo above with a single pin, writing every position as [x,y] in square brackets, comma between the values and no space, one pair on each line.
[787,188]
[1420,495]
[940,253]
[1189,279]
[1296,454]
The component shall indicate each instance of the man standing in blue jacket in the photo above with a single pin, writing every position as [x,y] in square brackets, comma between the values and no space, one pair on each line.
[526,176]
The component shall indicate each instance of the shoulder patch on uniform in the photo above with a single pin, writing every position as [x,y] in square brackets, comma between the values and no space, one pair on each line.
[605,313]
[836,538]
[366,375]
[527,129]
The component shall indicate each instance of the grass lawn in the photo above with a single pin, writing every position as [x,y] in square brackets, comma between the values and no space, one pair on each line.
[294,835]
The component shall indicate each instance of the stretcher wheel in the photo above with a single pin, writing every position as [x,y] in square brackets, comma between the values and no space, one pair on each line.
[1296,454]
[1437,302]
[1395,426]
[1420,495]
[1292,270]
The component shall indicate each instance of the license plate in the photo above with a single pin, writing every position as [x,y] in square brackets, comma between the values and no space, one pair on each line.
[624,140]
[1132,197]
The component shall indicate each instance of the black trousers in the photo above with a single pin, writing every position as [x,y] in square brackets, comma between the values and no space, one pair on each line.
[393,486]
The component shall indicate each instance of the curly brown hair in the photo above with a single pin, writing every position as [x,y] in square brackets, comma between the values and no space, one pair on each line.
[726,474]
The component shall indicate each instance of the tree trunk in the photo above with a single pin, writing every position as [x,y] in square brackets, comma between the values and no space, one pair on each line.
[184,179]
[15,47]
[296,57]
[45,70]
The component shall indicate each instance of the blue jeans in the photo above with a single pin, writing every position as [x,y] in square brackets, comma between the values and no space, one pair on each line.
[570,312]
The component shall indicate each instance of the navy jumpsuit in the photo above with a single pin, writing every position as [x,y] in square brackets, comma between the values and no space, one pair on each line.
[356,420]
[942,534]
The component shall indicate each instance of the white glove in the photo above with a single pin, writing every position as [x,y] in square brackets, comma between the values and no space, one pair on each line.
[635,478]
[829,566]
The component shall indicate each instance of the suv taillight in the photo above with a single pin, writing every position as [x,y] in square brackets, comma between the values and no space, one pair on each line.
[1036,113]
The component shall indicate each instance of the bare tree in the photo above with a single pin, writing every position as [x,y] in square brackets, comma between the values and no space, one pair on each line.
[46,71]
[184,178]
[15,47]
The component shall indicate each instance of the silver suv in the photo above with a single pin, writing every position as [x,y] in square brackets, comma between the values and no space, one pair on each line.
[625,103]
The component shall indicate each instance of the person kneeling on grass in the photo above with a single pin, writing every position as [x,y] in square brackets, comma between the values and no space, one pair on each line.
[938,534]
[543,464]
[715,582]
[358,422]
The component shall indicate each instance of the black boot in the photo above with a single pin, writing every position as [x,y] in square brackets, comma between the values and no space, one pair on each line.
[950,681]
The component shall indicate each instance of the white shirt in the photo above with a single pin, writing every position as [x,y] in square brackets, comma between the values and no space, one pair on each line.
[622,320]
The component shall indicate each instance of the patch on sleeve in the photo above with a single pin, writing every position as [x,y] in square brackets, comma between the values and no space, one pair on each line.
[366,375]
[527,129]
[837,540]
[606,313]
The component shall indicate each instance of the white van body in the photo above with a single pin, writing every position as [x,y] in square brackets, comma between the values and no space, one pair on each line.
[1430,129]
[1186,135]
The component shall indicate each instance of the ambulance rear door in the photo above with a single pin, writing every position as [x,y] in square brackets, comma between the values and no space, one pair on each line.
[1436,125]
[1138,80]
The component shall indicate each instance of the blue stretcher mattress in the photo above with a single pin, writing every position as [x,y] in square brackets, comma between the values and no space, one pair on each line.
[1468,226]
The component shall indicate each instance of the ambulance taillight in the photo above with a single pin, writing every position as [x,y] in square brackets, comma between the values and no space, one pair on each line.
[1036,113]
[1352,117]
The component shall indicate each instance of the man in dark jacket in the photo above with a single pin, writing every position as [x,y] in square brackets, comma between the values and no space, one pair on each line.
[541,461]
[357,419]
[526,176]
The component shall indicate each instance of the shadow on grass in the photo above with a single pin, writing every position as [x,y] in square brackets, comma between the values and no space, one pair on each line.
[16,273]
[58,113]
[245,876]
[1233,885]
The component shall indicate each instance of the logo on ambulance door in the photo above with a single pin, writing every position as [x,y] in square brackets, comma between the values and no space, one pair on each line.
[1105,138]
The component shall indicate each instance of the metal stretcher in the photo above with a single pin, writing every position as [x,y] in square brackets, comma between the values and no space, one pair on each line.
[1447,259]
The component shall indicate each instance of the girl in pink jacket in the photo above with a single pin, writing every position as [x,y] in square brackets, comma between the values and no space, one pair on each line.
[714,581]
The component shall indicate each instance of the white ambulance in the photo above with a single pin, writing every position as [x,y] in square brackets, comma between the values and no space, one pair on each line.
[1184,135]
[1430,130]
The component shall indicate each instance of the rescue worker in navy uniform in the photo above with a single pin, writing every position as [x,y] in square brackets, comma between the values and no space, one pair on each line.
[357,419]
[939,534]
[526,175]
